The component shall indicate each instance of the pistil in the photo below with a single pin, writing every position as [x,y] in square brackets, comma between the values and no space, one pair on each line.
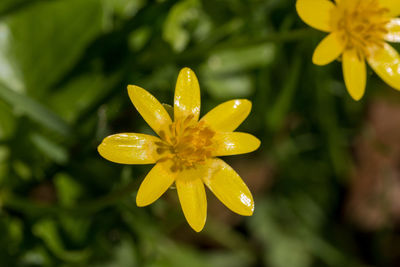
[361,24]
[186,143]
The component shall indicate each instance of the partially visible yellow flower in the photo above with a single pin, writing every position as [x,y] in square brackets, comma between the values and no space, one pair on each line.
[358,31]
[185,151]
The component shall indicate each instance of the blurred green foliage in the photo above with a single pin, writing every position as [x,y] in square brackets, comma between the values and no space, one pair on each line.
[64,67]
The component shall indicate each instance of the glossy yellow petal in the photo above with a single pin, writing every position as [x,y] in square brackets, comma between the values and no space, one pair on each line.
[234,143]
[227,116]
[187,95]
[355,74]
[148,106]
[129,148]
[316,13]
[157,181]
[393,28]
[229,188]
[193,199]
[392,5]
[386,63]
[328,49]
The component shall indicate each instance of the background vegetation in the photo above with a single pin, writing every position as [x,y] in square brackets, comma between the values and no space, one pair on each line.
[326,179]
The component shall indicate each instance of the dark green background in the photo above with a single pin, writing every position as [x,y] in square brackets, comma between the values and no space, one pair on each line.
[64,68]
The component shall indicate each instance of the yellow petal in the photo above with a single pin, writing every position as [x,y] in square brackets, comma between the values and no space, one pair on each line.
[193,199]
[157,181]
[392,5]
[328,49]
[148,106]
[386,63]
[393,28]
[355,74]
[229,188]
[316,13]
[234,143]
[227,116]
[129,148]
[187,95]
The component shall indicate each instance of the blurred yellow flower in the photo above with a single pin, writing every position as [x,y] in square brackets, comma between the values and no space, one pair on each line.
[358,31]
[187,149]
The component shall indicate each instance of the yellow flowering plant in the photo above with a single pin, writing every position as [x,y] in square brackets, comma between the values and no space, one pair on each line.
[185,153]
[358,31]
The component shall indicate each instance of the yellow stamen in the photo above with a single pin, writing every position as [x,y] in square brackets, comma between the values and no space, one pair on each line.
[186,143]
[361,24]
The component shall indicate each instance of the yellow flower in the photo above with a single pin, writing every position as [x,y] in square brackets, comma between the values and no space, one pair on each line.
[185,153]
[358,31]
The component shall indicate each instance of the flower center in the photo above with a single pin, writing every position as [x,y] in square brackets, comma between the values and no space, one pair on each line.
[186,143]
[361,24]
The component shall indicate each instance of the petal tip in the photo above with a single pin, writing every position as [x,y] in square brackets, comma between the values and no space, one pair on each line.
[356,95]
[356,98]
[141,200]
[246,210]
[101,148]
[315,13]
[257,143]
[140,203]
[186,73]
[247,103]
[133,89]
[244,103]
[250,213]
[198,228]
[317,61]
[186,70]
[328,50]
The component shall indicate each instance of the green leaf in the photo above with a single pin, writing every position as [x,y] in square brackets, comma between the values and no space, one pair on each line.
[80,93]
[276,115]
[10,5]
[177,31]
[46,229]
[52,150]
[223,72]
[46,39]
[240,59]
[22,170]
[139,38]
[124,254]
[34,110]
[68,190]
[124,8]
[227,87]
[277,241]
[7,122]
[38,256]
[13,233]
[4,166]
